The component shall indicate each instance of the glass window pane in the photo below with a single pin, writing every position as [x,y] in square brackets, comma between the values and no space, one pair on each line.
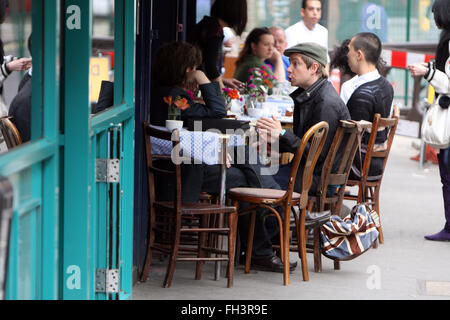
[15,100]
[102,60]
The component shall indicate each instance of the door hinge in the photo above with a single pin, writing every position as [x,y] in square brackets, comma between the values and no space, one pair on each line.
[107,170]
[107,280]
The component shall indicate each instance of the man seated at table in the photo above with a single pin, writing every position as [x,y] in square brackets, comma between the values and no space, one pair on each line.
[175,71]
[366,94]
[315,100]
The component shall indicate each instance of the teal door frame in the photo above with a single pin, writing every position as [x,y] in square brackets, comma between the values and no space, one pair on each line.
[33,169]
[98,216]
[66,225]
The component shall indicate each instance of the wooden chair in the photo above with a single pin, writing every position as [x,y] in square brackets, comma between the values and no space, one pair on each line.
[270,199]
[170,220]
[11,135]
[330,191]
[372,187]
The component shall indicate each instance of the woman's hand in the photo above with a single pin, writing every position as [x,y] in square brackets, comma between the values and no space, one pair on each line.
[233,83]
[418,69]
[22,64]
[195,78]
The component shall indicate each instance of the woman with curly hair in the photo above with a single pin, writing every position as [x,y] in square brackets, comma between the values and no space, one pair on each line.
[174,76]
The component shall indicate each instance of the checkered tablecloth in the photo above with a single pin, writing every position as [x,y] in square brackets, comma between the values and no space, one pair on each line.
[203,147]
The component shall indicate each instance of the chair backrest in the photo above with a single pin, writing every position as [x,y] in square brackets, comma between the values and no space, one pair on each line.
[314,140]
[152,170]
[374,151]
[11,135]
[337,165]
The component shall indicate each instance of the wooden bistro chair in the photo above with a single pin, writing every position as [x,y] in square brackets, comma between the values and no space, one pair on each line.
[270,199]
[372,187]
[330,191]
[10,133]
[170,220]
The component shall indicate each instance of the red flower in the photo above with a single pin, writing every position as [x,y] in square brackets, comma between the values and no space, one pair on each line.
[181,103]
[168,100]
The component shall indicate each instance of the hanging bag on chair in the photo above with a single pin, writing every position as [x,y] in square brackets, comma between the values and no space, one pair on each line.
[346,239]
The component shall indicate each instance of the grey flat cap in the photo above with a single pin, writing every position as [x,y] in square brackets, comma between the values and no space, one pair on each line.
[310,49]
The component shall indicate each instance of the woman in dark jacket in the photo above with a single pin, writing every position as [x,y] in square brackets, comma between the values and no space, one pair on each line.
[208,35]
[175,75]
[438,75]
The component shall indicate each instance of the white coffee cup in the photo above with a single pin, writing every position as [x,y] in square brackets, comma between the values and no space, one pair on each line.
[174,124]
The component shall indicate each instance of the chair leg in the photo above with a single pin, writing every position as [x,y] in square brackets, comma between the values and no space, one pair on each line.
[251,232]
[172,260]
[148,259]
[202,238]
[302,245]
[232,219]
[377,208]
[286,247]
[337,265]
[237,237]
[317,253]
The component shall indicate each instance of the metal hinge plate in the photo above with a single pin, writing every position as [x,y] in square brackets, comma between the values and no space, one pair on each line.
[107,280]
[107,170]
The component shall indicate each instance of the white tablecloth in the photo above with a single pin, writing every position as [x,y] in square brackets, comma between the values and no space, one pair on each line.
[203,147]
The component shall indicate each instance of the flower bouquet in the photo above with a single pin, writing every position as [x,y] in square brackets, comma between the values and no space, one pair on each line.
[260,83]
[175,107]
[231,96]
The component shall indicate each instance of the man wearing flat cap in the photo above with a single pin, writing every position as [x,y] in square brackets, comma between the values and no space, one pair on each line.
[315,100]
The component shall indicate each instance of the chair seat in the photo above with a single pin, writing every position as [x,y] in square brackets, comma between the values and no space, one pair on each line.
[314,219]
[196,208]
[255,195]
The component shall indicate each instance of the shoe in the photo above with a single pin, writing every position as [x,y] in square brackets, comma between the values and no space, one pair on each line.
[443,235]
[272,264]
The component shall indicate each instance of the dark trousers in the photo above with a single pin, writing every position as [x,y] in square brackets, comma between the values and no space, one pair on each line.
[236,177]
[444,170]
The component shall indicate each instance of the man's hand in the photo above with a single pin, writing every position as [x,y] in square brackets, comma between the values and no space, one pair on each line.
[22,64]
[229,159]
[276,57]
[269,129]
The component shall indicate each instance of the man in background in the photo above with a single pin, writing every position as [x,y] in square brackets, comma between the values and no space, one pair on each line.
[281,45]
[308,29]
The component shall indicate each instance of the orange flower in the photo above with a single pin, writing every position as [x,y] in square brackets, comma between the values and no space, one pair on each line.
[168,100]
[268,83]
[233,94]
[182,103]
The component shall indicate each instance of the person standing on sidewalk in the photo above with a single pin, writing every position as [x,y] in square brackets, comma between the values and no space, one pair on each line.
[308,29]
[438,75]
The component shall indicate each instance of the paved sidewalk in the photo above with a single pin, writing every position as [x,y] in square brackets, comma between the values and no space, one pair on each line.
[405,267]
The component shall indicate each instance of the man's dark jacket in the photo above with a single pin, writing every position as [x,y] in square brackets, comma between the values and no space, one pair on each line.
[318,103]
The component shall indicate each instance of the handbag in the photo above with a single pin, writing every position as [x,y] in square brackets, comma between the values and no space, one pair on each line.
[346,239]
[436,127]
